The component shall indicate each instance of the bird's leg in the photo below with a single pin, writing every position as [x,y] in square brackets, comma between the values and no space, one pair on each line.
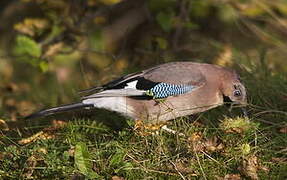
[171,131]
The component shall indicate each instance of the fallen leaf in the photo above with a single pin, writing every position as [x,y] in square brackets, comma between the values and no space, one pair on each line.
[146,129]
[195,137]
[59,123]
[232,177]
[197,124]
[30,164]
[31,25]
[53,49]
[250,167]
[213,144]
[198,143]
[117,178]
[37,136]
[182,167]
[195,143]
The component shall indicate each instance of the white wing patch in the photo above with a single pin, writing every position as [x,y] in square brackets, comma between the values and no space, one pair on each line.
[131,85]
[117,104]
[117,93]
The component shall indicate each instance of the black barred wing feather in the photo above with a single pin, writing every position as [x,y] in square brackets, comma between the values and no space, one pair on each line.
[163,90]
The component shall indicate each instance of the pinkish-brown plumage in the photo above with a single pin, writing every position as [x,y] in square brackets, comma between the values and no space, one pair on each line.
[132,95]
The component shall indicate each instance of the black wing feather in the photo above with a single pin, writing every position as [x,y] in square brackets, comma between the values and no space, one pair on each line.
[171,73]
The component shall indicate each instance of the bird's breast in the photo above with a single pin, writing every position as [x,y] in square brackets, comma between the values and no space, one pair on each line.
[156,110]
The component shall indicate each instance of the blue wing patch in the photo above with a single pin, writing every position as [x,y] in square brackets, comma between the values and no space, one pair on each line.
[163,90]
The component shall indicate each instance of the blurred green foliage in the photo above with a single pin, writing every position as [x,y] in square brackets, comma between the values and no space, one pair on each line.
[50,49]
[113,28]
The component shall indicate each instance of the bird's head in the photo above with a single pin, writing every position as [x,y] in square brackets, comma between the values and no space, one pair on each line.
[233,89]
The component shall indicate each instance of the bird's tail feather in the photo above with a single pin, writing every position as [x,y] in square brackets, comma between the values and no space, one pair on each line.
[58,109]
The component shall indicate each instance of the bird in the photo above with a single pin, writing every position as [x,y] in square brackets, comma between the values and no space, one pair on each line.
[163,93]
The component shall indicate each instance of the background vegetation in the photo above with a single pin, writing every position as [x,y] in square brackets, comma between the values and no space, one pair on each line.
[51,49]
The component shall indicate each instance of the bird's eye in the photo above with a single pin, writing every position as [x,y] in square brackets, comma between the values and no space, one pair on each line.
[237,93]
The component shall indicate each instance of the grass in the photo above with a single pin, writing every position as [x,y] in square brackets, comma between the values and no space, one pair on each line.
[216,144]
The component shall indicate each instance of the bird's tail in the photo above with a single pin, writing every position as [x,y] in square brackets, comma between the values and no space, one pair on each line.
[58,109]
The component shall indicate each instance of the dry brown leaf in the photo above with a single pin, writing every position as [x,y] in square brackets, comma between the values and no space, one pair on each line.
[196,144]
[117,178]
[3,125]
[182,167]
[213,144]
[146,129]
[197,136]
[31,25]
[46,133]
[53,49]
[31,164]
[197,124]
[59,123]
[37,136]
[232,177]
[250,167]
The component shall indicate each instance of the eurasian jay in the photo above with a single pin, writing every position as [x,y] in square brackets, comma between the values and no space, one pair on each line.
[163,92]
